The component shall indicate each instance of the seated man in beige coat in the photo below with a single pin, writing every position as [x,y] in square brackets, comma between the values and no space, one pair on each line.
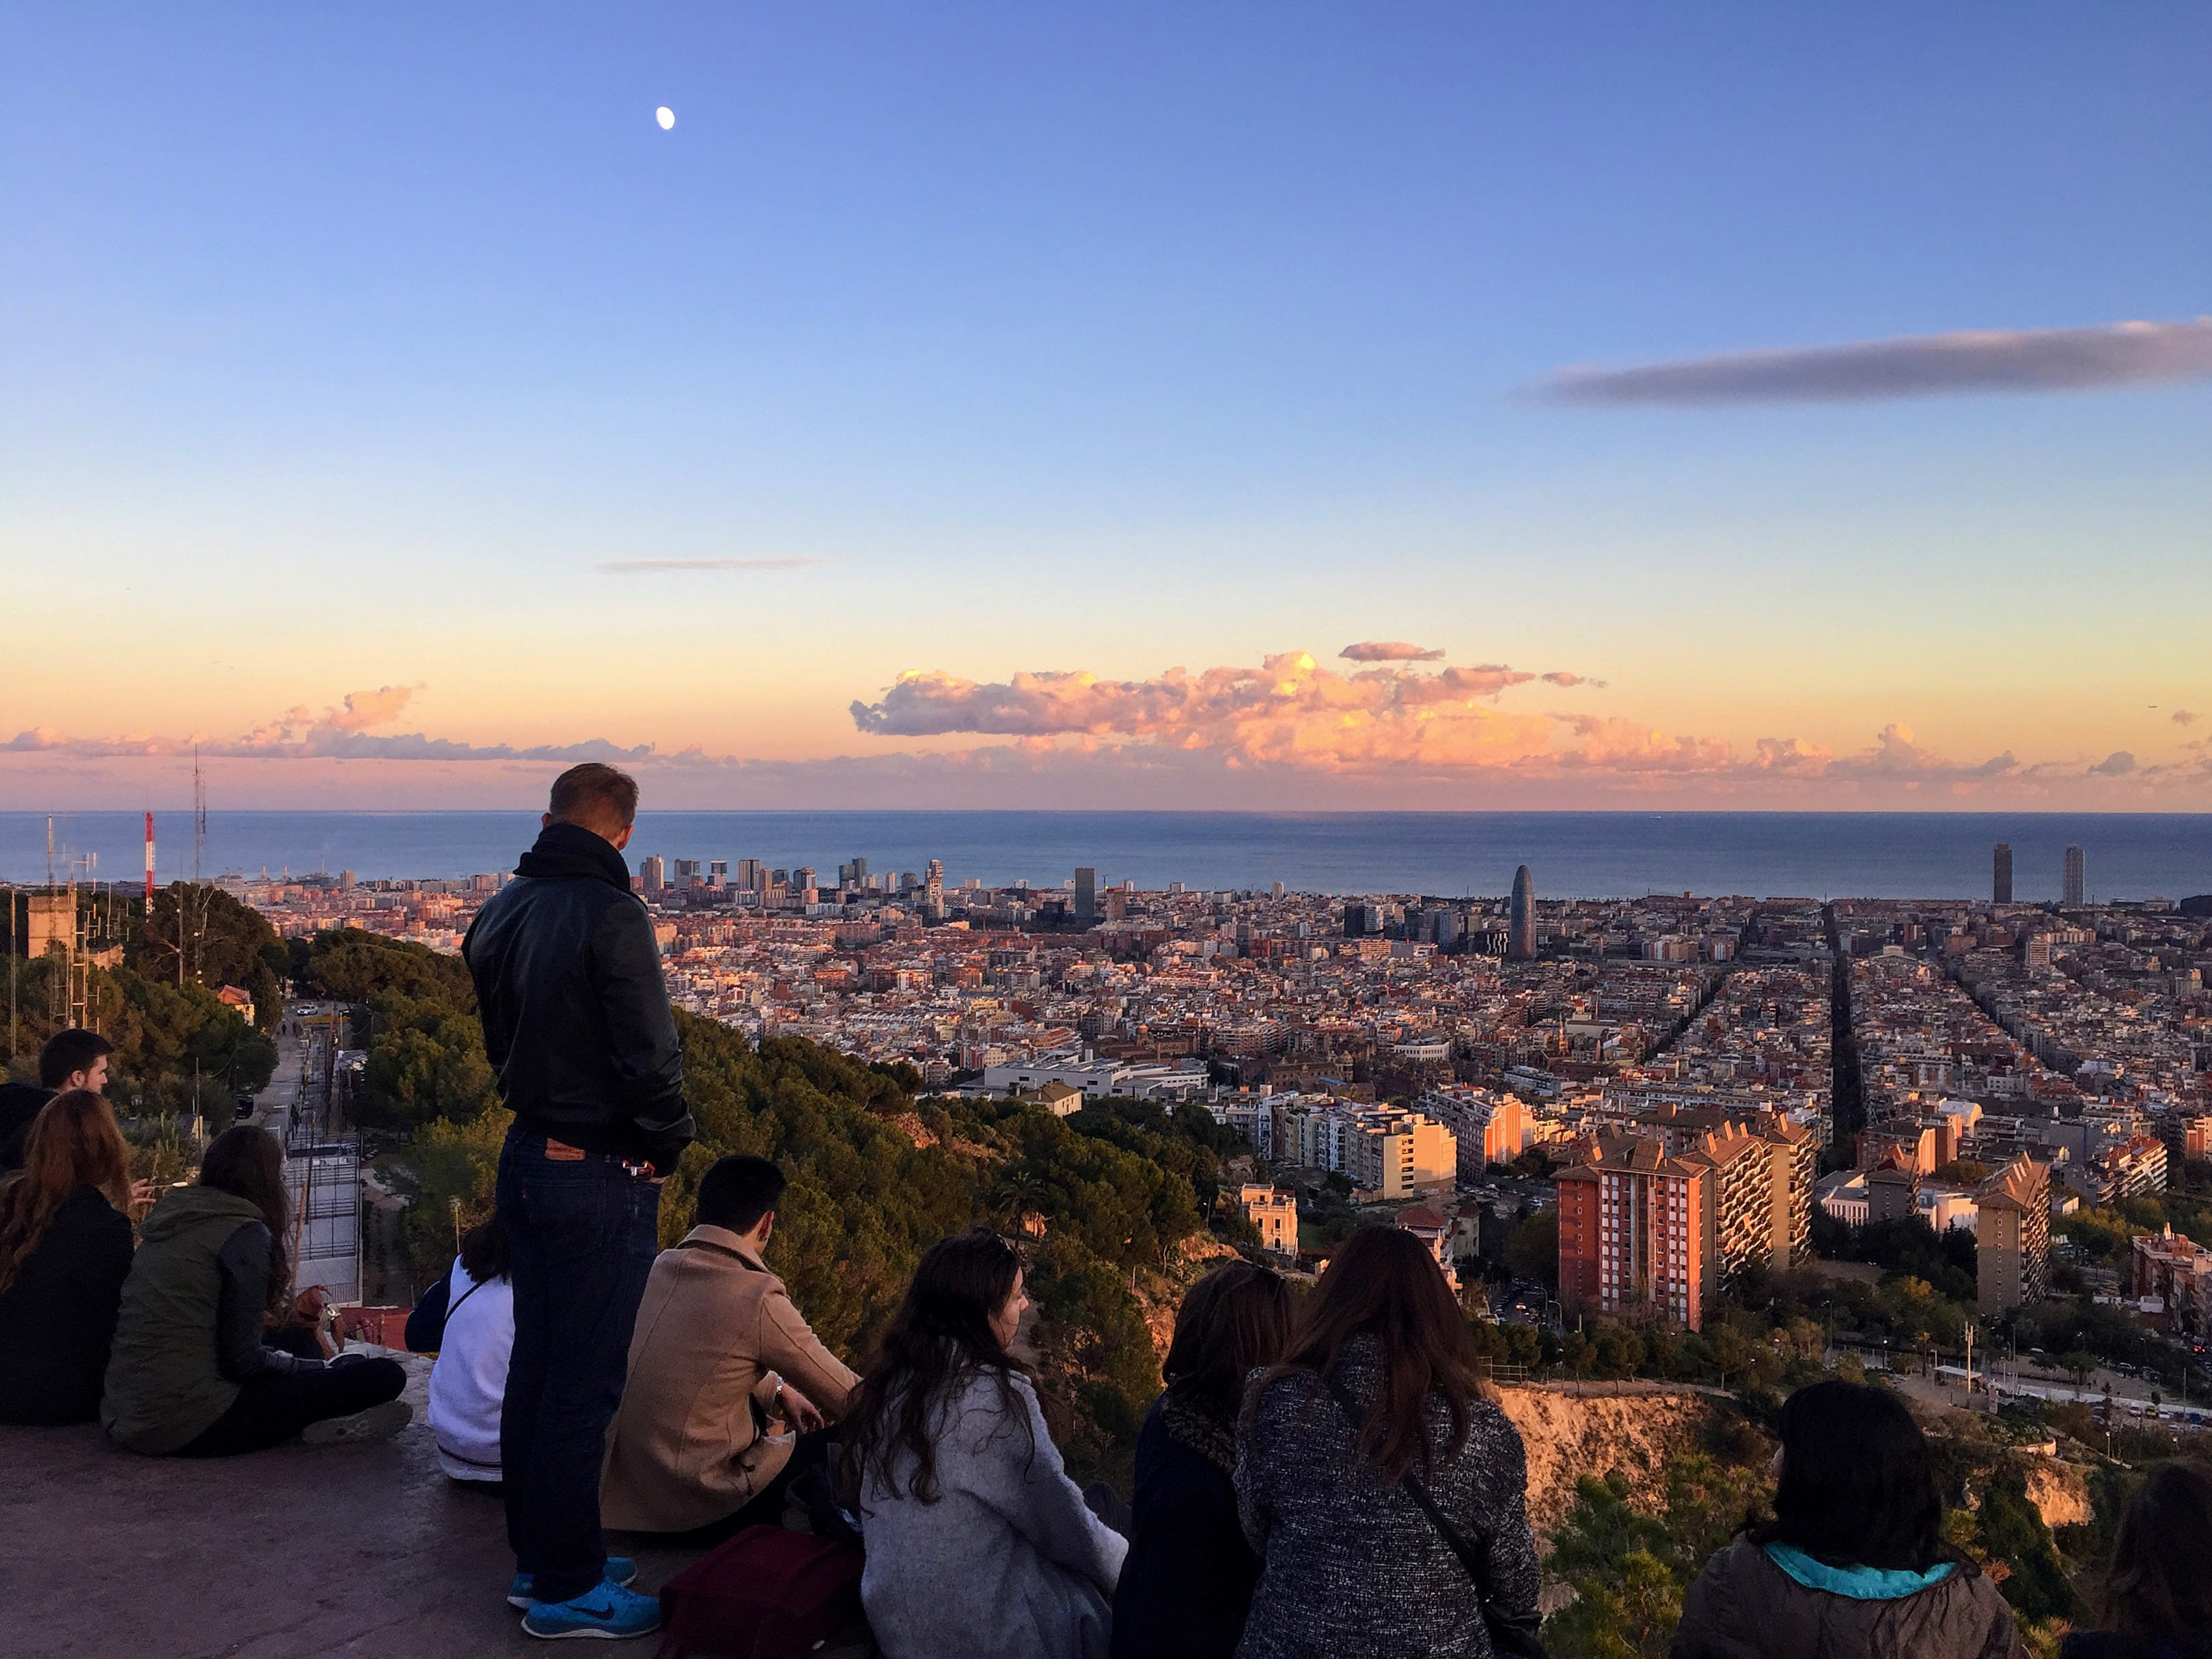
[728,1389]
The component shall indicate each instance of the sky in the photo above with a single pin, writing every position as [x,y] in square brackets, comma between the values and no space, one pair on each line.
[1240,405]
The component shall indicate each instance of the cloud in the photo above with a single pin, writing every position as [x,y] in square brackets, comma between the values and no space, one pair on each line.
[2183,717]
[2118,764]
[1287,711]
[678,567]
[2041,360]
[1573,680]
[1388,651]
[299,733]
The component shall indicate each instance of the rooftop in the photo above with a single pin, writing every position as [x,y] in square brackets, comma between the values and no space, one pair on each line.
[295,1551]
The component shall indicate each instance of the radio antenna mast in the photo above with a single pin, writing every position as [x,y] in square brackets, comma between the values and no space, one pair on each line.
[199,815]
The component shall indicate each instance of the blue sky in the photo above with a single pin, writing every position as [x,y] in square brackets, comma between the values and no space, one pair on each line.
[1060,339]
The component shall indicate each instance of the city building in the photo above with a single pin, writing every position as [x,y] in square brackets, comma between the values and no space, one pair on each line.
[1434,1229]
[1521,943]
[1635,1231]
[1273,1216]
[2012,1251]
[2173,1282]
[1394,1154]
[1086,895]
[653,873]
[2073,884]
[2001,882]
[1892,1189]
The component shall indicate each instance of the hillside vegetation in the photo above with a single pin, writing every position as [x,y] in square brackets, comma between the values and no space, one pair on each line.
[1110,1198]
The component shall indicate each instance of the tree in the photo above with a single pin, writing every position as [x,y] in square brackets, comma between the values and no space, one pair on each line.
[1532,1249]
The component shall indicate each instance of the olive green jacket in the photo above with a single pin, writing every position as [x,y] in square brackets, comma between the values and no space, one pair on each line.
[164,1387]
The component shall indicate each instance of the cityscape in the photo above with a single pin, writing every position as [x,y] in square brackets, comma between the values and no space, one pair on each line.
[1678,1063]
[982,832]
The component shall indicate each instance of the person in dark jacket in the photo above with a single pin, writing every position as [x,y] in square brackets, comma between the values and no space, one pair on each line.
[2158,1594]
[1377,1404]
[190,1376]
[1188,1580]
[72,1058]
[577,1024]
[1854,1561]
[64,1250]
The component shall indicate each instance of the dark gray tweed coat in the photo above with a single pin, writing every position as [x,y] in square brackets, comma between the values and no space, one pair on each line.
[1352,1568]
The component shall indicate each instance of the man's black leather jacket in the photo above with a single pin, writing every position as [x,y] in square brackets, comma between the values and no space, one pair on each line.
[576,1017]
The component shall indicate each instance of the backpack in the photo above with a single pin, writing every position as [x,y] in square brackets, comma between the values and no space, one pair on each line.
[768,1593]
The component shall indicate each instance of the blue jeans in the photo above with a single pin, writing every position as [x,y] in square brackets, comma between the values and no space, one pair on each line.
[581,1233]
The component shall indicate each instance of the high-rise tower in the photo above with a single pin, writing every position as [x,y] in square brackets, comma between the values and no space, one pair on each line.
[2001,881]
[2076,871]
[1521,943]
[1086,895]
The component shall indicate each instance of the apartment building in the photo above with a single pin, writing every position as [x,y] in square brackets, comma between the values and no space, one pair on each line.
[1274,1216]
[2173,1282]
[2012,1253]
[1789,1157]
[1395,1154]
[1636,1232]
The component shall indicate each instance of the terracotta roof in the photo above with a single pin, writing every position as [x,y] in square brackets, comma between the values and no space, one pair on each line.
[2020,1185]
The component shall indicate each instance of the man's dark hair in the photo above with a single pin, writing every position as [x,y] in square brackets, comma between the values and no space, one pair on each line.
[69,1052]
[594,796]
[1858,1484]
[736,1192]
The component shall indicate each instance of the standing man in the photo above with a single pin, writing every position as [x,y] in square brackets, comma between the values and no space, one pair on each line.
[577,1024]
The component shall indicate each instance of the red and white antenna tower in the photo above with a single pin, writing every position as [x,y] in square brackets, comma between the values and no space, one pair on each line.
[149,858]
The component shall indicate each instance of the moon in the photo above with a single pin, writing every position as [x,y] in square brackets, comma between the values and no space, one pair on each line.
[665,116]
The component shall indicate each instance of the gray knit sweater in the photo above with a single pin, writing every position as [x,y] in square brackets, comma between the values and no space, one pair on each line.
[1352,1568]
[1008,1563]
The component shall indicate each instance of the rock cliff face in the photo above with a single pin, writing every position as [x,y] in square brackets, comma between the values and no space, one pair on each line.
[1569,1434]
[2060,1492]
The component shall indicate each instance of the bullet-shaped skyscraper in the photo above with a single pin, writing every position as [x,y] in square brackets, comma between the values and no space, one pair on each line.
[2000,882]
[1521,942]
[2076,872]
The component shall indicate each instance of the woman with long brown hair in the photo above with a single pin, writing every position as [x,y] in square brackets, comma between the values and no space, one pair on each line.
[1188,1582]
[190,1375]
[1383,1491]
[64,1250]
[979,1545]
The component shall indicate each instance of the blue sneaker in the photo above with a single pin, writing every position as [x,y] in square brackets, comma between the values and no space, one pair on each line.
[607,1611]
[620,1570]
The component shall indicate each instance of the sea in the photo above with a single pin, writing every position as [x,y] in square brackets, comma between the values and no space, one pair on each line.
[1442,854]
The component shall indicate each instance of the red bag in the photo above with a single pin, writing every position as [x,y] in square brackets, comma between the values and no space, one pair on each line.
[767,1592]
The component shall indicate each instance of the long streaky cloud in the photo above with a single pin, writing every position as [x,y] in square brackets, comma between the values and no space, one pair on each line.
[1389,651]
[1983,359]
[678,567]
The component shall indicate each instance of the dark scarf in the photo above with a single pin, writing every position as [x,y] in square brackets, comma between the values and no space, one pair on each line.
[1201,1427]
[569,849]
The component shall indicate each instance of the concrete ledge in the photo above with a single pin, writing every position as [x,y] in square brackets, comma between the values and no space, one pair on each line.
[300,1550]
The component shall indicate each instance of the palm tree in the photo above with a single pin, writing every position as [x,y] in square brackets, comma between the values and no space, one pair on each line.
[1019,1197]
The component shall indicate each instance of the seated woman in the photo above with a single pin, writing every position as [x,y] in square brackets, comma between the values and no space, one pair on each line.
[190,1376]
[1385,1496]
[2158,1597]
[1854,1561]
[1188,1582]
[979,1545]
[64,1250]
[467,1319]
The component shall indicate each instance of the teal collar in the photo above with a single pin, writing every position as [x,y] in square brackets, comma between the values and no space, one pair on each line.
[1860,1584]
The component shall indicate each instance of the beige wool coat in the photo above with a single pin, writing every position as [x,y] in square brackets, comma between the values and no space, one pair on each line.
[714,1332]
